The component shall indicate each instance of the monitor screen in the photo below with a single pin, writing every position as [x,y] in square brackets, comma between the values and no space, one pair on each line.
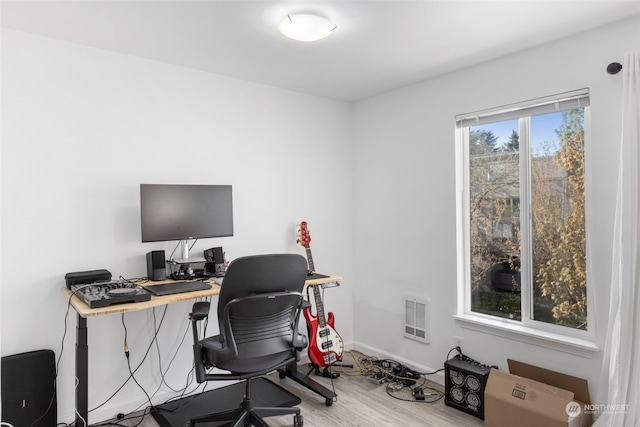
[181,212]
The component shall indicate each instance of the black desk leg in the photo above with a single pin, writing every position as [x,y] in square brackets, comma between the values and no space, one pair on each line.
[291,371]
[82,373]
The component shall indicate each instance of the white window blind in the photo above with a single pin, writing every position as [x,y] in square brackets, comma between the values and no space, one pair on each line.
[549,104]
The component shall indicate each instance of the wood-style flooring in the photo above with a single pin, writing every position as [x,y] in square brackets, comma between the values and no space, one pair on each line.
[360,403]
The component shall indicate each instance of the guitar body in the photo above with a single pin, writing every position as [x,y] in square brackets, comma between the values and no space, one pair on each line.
[325,344]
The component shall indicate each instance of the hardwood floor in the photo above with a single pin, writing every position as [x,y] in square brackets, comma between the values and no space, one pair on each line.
[361,403]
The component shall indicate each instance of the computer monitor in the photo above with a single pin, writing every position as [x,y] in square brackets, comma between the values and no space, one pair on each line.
[182,212]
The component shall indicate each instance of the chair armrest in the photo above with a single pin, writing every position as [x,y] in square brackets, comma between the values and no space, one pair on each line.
[200,311]
[300,342]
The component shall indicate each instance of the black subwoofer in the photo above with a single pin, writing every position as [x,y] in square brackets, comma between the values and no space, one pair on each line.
[29,389]
[465,381]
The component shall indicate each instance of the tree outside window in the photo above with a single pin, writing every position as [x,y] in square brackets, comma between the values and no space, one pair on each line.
[546,165]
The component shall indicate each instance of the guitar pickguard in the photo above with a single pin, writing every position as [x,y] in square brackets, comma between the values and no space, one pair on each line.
[325,345]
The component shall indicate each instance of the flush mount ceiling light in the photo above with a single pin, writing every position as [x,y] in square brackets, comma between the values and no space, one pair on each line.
[306,27]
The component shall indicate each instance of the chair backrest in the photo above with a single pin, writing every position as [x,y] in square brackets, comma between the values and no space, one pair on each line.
[260,301]
[260,274]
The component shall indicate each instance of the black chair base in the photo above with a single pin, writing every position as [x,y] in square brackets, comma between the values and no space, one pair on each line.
[248,414]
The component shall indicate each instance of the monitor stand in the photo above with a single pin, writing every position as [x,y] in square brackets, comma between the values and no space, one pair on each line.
[184,244]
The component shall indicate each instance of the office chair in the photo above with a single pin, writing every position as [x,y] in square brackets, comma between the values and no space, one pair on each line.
[258,311]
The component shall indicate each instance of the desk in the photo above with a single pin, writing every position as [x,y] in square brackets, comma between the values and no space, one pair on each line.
[82,349]
[84,312]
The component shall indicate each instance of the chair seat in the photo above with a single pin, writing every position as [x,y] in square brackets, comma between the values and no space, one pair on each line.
[212,345]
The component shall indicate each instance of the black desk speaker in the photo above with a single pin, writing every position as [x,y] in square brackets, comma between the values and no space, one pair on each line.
[28,389]
[215,261]
[156,265]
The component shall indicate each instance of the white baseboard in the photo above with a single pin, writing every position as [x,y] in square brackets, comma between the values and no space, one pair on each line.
[381,354]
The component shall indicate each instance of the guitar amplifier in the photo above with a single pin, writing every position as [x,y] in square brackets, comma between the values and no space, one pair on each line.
[465,381]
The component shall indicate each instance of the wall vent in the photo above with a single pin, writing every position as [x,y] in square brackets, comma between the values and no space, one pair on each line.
[416,319]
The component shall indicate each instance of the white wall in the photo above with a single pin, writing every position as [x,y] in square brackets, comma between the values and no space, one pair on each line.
[83,127]
[405,205]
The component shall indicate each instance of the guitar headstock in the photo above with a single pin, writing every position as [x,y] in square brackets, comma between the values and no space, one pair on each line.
[304,238]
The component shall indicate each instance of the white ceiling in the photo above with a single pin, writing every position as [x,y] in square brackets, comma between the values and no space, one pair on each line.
[379,45]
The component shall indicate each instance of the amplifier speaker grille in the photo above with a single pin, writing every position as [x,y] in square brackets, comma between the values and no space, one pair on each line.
[465,381]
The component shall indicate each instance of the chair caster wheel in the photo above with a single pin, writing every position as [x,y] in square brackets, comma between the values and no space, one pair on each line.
[298,421]
[281,375]
[328,402]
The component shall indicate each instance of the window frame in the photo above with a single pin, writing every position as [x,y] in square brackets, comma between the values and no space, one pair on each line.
[528,330]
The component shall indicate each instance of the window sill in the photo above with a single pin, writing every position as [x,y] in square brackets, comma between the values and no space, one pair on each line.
[567,344]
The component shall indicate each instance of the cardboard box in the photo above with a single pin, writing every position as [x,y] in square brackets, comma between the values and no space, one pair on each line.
[530,396]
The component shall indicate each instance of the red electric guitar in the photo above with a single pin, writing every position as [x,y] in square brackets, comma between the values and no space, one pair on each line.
[325,347]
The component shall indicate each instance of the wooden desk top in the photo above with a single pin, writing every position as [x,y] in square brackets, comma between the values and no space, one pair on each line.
[85,311]
[322,280]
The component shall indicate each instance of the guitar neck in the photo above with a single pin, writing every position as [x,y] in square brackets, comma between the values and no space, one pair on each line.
[310,260]
[322,322]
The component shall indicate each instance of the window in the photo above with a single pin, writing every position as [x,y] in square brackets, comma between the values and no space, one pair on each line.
[522,214]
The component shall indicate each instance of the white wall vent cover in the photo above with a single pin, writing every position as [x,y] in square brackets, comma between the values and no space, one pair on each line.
[416,319]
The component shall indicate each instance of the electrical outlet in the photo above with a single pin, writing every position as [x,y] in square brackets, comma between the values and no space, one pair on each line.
[459,341]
